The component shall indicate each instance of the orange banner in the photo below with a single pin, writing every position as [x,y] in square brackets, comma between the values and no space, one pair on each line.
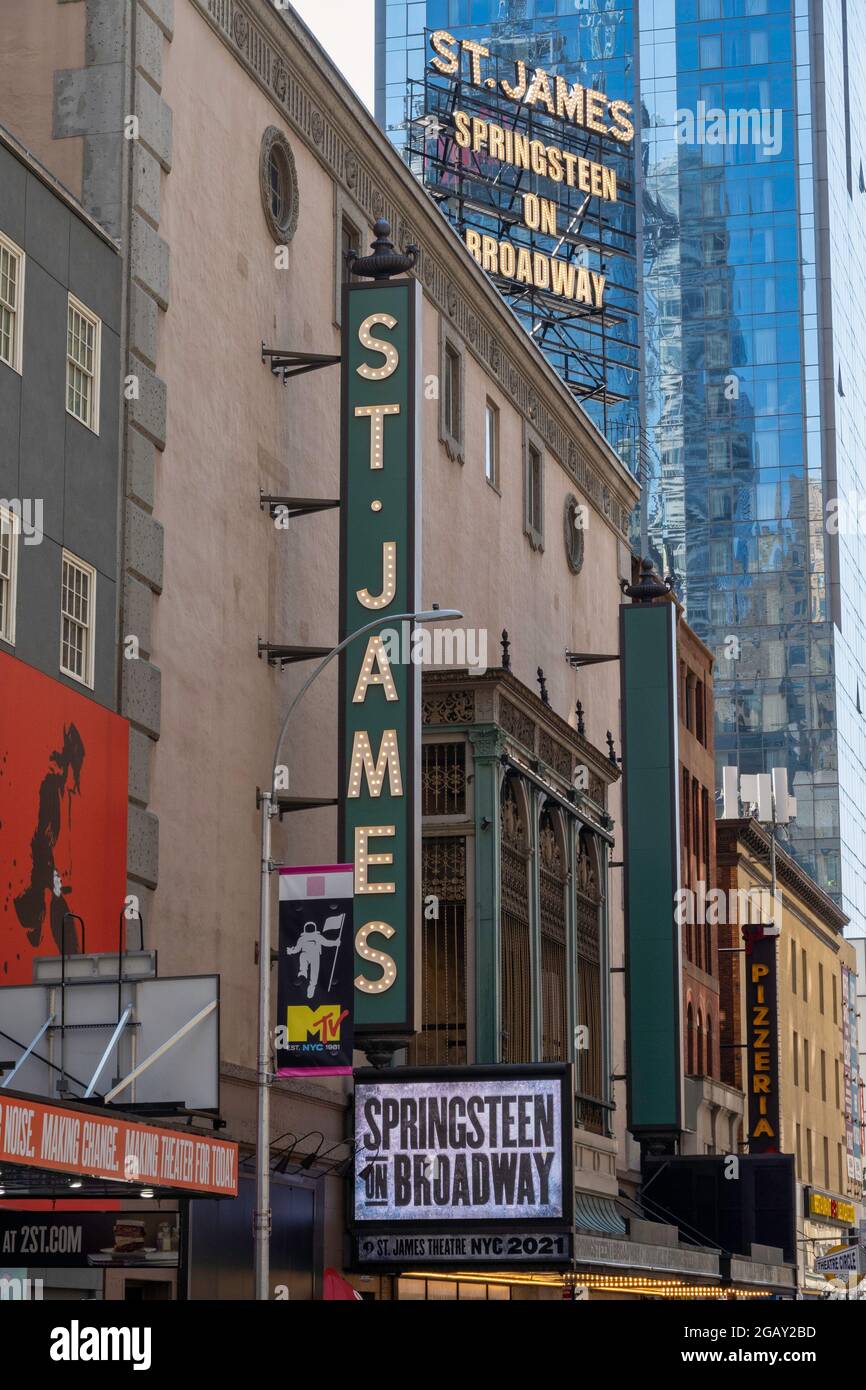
[101,1146]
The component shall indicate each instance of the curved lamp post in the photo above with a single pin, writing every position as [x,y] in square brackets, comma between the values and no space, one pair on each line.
[262,1219]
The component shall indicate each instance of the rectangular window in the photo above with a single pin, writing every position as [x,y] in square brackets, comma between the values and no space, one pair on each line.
[443,1037]
[718,458]
[836,1067]
[78,615]
[839,1186]
[711,51]
[821,988]
[533,491]
[806,1064]
[491,444]
[715,300]
[823,1074]
[805,980]
[835,1003]
[350,240]
[809,1154]
[452,390]
[717,350]
[83,340]
[799,1152]
[793,968]
[11,302]
[9,528]
[826,1161]
[796,1055]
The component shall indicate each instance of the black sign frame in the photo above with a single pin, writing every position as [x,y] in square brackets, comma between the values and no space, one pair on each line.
[538,1226]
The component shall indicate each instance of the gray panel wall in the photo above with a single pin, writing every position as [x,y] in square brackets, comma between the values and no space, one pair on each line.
[45,453]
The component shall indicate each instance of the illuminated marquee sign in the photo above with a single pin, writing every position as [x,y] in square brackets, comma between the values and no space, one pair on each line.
[826,1208]
[380,700]
[582,106]
[580,109]
[762,1024]
[464,1162]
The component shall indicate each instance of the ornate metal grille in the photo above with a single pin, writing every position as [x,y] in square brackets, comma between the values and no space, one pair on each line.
[443,779]
[590,1052]
[516,953]
[442,1039]
[554,948]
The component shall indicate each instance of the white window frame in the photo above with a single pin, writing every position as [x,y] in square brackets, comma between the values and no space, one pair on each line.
[67,558]
[16,362]
[92,422]
[533,526]
[491,454]
[9,520]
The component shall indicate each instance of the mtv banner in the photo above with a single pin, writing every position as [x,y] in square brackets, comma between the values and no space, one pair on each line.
[315,986]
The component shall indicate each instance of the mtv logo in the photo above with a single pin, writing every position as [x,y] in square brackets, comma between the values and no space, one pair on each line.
[323,1023]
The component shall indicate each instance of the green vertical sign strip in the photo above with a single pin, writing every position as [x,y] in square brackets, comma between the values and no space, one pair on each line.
[652,866]
[380,689]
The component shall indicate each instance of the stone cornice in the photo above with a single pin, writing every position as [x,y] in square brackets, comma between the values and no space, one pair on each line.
[313,99]
[750,834]
[549,737]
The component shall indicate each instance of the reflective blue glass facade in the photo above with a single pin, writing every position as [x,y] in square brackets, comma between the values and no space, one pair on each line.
[751,224]
[740,406]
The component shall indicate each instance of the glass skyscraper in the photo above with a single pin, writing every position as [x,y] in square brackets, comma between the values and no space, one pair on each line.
[751,235]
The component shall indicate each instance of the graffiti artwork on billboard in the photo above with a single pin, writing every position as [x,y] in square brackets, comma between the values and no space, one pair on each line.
[461,1147]
[316,993]
[63,808]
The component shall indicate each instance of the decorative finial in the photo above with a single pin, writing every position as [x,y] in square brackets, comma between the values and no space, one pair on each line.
[649,587]
[385,261]
[611,751]
[542,685]
[506,650]
[581,727]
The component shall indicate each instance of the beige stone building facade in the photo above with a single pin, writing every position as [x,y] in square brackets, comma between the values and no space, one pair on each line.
[219,146]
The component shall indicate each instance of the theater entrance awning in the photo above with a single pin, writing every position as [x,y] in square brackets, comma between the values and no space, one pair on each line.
[70,1150]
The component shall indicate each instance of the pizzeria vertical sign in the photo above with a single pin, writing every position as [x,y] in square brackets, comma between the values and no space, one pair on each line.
[380,694]
[762,1043]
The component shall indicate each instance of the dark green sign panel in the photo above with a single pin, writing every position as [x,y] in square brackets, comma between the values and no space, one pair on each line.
[380,686]
[652,866]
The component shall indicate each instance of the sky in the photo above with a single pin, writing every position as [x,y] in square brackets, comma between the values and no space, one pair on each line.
[345,29]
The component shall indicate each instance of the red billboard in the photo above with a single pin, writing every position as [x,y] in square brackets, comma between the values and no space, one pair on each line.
[63,808]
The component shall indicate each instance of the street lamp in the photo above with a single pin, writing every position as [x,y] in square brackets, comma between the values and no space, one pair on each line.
[262,1218]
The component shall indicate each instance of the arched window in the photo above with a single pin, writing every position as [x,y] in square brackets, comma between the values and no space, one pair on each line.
[515,940]
[709,1065]
[590,1055]
[699,1059]
[554,950]
[690,1041]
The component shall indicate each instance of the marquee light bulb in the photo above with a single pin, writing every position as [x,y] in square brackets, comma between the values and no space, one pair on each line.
[380,345]
[389,580]
[375,655]
[376,414]
[380,958]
